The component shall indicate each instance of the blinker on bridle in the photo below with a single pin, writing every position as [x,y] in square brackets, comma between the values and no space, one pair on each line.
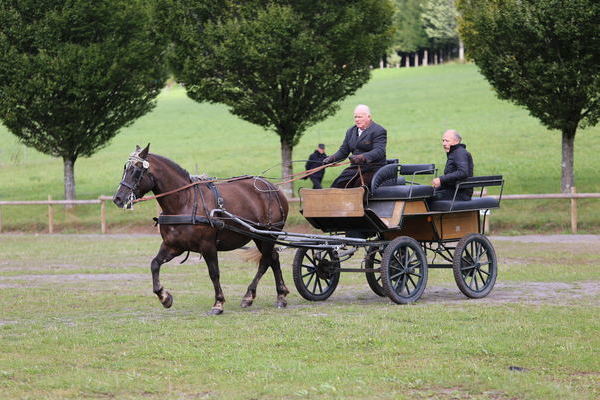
[137,175]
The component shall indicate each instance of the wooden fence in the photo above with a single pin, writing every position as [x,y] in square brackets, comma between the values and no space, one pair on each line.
[103,199]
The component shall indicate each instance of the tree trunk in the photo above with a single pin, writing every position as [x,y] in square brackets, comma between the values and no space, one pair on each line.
[406,61]
[568,151]
[69,178]
[416,59]
[286,168]
[461,50]
[425,57]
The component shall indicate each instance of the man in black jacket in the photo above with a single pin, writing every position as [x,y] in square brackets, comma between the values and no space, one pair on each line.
[366,140]
[458,167]
[316,160]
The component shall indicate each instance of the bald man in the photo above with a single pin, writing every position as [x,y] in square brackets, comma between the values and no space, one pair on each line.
[458,167]
[366,140]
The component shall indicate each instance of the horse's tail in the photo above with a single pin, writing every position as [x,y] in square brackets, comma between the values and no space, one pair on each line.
[251,254]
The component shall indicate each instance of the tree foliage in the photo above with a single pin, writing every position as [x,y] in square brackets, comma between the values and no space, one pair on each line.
[440,21]
[410,32]
[72,73]
[283,65]
[541,54]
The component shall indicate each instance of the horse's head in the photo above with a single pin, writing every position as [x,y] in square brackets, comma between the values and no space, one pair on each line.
[136,180]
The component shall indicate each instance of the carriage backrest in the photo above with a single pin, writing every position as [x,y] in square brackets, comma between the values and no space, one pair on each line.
[388,175]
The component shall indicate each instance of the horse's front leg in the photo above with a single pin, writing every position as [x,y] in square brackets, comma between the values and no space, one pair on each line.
[165,254]
[212,261]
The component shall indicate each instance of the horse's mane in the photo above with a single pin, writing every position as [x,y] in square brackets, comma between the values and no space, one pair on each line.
[172,164]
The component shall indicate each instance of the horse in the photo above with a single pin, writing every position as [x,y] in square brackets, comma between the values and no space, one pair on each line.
[191,222]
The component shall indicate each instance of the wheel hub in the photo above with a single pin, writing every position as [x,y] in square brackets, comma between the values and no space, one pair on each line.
[325,269]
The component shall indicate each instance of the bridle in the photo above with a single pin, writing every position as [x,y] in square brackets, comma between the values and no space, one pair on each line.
[137,175]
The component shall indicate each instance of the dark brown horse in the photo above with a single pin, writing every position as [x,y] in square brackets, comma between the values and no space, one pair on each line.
[251,198]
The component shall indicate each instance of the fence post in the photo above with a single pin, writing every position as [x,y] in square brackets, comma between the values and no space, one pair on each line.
[573,211]
[50,216]
[103,215]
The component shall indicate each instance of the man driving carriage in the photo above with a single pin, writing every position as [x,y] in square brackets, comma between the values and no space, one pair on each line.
[367,141]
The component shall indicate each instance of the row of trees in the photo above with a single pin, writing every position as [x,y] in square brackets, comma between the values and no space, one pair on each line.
[426,33]
[72,73]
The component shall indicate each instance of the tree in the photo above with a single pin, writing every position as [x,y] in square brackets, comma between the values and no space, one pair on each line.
[440,22]
[541,54]
[283,65]
[410,35]
[72,73]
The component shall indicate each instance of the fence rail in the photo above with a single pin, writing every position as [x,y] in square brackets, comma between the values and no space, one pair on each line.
[103,199]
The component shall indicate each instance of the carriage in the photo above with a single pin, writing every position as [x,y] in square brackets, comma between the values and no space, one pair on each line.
[403,230]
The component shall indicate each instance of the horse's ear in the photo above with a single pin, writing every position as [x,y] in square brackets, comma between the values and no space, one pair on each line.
[137,148]
[144,153]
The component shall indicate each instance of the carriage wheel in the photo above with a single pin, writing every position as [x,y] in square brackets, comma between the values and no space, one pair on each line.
[404,270]
[373,260]
[475,267]
[316,273]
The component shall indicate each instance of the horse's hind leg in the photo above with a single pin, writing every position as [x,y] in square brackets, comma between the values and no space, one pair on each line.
[269,258]
[263,265]
[165,254]
[212,262]
[282,290]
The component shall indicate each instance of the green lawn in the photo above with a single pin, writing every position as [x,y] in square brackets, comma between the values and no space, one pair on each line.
[85,324]
[415,105]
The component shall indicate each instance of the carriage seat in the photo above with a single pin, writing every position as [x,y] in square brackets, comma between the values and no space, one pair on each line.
[387,185]
[477,203]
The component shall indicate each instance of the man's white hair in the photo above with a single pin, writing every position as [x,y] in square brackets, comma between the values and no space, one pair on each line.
[363,107]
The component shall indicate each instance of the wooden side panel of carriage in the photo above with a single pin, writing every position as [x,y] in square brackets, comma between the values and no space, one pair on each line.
[421,225]
[333,202]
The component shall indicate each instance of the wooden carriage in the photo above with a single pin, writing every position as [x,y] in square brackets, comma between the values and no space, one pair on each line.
[405,232]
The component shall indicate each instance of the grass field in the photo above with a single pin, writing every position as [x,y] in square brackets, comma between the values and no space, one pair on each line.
[84,324]
[415,105]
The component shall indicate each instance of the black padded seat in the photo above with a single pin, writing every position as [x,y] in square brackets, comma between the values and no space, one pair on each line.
[473,204]
[387,185]
[402,192]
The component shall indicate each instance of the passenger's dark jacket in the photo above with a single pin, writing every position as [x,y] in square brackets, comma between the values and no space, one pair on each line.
[316,160]
[371,144]
[458,167]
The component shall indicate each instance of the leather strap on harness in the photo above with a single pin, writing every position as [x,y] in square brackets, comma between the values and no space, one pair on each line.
[189,219]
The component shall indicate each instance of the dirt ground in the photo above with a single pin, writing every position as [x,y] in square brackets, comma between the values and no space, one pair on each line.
[557,293]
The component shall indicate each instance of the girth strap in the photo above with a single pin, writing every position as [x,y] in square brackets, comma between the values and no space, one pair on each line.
[189,220]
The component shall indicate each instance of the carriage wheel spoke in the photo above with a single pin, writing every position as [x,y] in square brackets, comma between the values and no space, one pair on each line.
[403,285]
[312,275]
[467,267]
[411,280]
[393,277]
[483,280]
[311,259]
[398,259]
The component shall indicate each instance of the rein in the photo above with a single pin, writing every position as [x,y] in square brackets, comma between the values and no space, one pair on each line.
[297,176]
[179,189]
[308,172]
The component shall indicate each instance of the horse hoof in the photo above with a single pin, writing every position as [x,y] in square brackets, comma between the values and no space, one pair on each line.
[246,303]
[215,311]
[281,304]
[167,302]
